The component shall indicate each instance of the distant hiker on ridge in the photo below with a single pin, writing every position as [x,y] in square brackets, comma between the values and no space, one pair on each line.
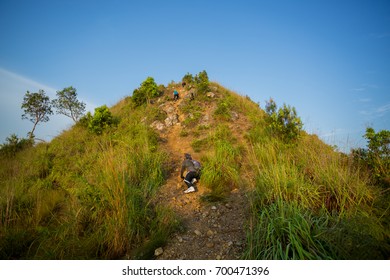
[193,172]
[175,95]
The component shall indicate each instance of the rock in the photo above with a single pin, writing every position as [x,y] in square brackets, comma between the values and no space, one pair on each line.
[228,206]
[213,207]
[197,232]
[158,252]
[210,233]
[157,125]
[234,116]
[169,110]
[209,244]
[171,120]
[210,94]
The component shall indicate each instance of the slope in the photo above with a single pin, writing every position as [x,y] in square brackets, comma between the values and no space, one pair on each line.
[118,194]
[209,230]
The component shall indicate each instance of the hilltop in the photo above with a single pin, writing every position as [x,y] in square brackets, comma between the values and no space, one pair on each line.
[267,191]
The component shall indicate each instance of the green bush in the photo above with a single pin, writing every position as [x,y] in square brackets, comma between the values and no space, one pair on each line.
[14,144]
[101,120]
[188,79]
[202,82]
[283,122]
[145,92]
[378,154]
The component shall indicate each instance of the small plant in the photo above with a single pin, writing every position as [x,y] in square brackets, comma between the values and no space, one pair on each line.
[223,110]
[184,133]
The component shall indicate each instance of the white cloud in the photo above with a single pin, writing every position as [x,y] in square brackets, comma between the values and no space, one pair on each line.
[359,89]
[383,109]
[364,100]
[376,112]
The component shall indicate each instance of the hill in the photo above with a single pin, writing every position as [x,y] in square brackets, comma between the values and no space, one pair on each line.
[117,194]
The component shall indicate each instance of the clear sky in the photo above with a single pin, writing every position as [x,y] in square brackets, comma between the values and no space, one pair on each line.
[329,59]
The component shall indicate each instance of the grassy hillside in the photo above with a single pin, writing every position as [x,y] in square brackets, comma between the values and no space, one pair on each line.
[93,196]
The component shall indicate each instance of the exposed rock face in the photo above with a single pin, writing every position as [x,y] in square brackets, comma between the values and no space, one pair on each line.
[172,119]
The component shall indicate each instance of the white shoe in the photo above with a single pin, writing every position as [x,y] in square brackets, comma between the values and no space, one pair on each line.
[189,190]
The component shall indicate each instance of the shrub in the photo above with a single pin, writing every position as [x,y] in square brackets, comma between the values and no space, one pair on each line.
[101,120]
[145,92]
[188,79]
[377,156]
[202,82]
[14,144]
[283,122]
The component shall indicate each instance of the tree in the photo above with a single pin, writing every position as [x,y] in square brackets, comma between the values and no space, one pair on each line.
[68,105]
[37,108]
[145,92]
[202,82]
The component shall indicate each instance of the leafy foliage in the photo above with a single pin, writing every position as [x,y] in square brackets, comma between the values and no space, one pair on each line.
[202,82]
[67,104]
[188,79]
[101,120]
[37,108]
[147,90]
[283,122]
[377,154]
[13,145]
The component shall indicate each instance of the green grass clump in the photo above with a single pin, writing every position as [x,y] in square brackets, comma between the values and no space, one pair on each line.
[286,231]
[221,170]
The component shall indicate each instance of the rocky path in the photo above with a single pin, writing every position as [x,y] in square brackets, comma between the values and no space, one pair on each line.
[210,230]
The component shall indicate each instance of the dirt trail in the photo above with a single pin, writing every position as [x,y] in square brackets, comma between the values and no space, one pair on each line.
[210,230]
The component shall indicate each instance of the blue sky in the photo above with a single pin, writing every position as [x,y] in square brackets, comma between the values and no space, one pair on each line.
[329,59]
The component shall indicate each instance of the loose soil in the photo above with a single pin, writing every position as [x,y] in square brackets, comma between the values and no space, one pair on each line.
[209,230]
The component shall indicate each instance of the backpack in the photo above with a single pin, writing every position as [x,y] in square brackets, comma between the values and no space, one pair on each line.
[197,165]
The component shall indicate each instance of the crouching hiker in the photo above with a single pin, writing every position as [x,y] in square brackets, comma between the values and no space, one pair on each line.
[175,95]
[193,172]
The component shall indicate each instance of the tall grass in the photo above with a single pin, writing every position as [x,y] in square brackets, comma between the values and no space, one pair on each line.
[308,199]
[285,231]
[221,165]
[84,196]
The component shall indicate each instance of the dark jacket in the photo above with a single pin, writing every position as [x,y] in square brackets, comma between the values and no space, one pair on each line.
[188,166]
